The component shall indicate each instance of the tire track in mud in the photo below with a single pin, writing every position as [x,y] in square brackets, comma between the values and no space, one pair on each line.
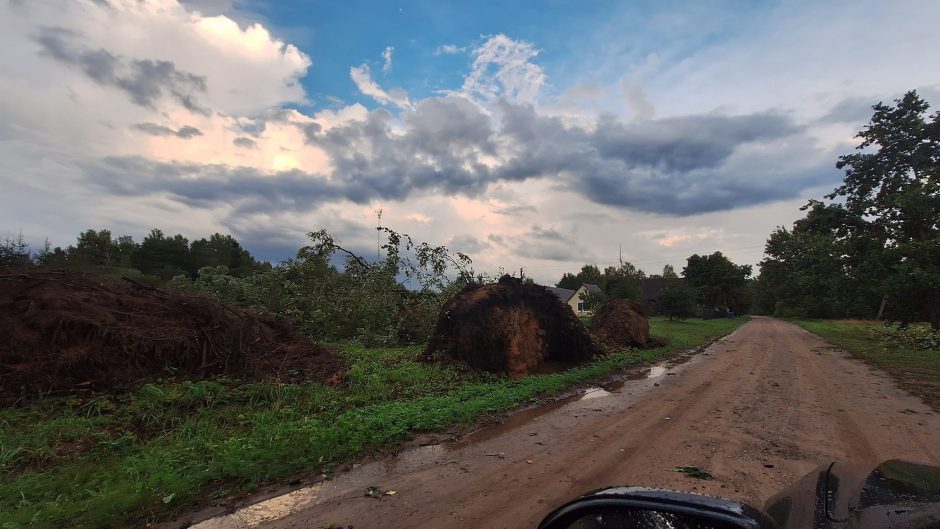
[758,409]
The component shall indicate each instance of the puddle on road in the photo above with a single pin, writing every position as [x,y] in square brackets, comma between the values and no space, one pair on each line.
[266,511]
[594,393]
[362,476]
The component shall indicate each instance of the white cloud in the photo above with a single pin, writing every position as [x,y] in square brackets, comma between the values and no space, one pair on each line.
[387,57]
[503,67]
[362,76]
[449,49]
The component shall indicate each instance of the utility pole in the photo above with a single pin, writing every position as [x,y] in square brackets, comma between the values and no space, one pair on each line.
[521,273]
[378,234]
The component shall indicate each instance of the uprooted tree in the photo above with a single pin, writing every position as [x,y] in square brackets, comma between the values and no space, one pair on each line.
[368,301]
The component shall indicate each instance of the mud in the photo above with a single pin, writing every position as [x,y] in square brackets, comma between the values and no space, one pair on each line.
[758,410]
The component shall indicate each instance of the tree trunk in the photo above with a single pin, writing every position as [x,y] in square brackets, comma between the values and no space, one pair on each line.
[881,309]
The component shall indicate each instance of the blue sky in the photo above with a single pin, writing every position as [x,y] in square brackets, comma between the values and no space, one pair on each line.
[535,134]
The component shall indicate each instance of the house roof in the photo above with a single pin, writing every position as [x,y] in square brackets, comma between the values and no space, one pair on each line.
[592,288]
[652,285]
[564,294]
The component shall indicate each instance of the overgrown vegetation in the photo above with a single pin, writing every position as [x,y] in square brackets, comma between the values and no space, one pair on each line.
[873,249]
[911,355]
[110,460]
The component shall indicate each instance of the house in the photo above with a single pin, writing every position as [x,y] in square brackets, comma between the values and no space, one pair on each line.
[651,287]
[573,298]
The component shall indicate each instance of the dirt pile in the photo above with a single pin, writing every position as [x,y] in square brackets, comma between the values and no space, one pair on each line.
[509,327]
[66,332]
[620,323]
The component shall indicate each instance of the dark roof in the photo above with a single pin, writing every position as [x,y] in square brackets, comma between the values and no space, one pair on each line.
[652,285]
[592,288]
[564,294]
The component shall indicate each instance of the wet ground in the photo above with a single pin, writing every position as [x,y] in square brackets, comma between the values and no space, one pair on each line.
[758,410]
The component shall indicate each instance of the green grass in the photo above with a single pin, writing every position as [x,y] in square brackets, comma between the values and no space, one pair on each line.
[916,369]
[113,460]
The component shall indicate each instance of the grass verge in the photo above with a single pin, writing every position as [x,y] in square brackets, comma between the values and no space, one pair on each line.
[114,460]
[916,369]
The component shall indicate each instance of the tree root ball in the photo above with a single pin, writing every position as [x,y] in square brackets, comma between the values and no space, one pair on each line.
[620,323]
[510,327]
[66,332]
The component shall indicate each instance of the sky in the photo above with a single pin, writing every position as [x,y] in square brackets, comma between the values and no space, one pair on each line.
[535,135]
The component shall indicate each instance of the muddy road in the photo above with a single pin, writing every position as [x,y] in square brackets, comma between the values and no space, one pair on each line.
[758,410]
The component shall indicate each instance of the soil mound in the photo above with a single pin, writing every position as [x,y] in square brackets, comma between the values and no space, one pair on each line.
[620,323]
[65,331]
[510,327]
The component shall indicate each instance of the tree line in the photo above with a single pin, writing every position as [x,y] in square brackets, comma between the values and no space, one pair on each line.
[157,255]
[871,247]
[709,283]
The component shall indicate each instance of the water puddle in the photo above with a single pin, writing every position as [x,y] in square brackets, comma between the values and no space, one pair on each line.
[657,371]
[266,511]
[594,393]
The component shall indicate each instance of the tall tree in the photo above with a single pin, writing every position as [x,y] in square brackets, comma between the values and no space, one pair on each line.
[162,256]
[894,180]
[669,271]
[719,282]
[221,250]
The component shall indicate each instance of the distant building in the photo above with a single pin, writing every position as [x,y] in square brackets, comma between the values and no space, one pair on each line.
[573,297]
[651,286]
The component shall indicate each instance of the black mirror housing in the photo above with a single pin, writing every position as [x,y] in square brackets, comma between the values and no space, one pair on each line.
[625,507]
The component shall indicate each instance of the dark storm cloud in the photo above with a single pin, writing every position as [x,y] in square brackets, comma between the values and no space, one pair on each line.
[243,141]
[186,132]
[442,150]
[449,146]
[145,81]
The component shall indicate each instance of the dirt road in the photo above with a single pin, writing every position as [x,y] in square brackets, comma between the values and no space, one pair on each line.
[757,409]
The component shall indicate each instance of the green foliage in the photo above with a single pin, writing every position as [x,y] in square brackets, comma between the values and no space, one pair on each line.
[669,272]
[14,252]
[881,242]
[624,281]
[123,460]
[162,256]
[221,250]
[719,283]
[676,301]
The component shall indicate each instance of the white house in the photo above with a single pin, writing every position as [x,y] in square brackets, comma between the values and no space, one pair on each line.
[573,298]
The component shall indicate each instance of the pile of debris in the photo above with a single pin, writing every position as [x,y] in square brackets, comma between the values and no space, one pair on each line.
[66,331]
[510,327]
[621,323]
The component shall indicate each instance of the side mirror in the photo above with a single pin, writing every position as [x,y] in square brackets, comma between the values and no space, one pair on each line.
[644,508]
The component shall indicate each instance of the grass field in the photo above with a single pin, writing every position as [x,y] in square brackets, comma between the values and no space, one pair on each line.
[115,460]
[917,369]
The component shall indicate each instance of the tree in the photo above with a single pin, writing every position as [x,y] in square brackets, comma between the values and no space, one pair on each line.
[93,248]
[589,273]
[221,250]
[14,252]
[895,181]
[813,270]
[669,272]
[676,300]
[162,256]
[719,282]
[624,281]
